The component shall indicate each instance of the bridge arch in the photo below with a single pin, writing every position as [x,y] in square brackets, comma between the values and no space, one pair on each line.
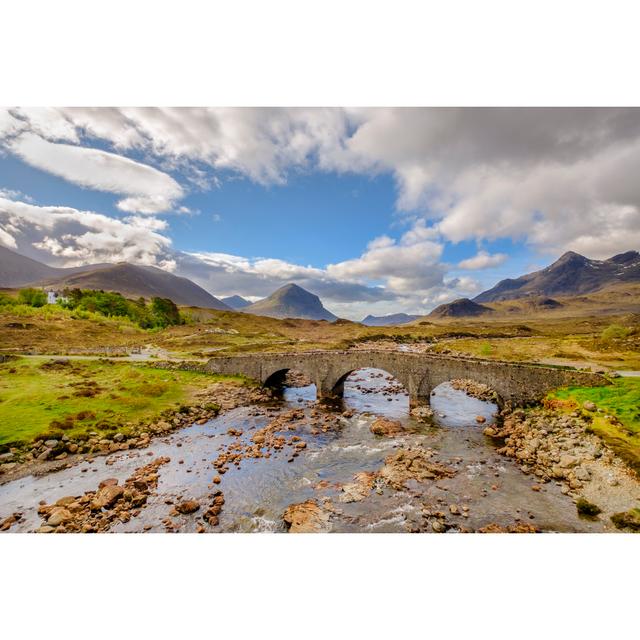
[334,386]
[492,394]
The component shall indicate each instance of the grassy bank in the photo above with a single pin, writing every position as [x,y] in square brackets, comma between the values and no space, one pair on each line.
[40,398]
[620,400]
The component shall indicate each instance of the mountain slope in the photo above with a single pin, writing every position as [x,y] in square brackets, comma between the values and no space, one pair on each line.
[392,319]
[235,302]
[571,274]
[463,307]
[135,280]
[17,270]
[291,301]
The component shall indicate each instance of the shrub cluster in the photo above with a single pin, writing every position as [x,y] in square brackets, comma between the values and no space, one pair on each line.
[159,313]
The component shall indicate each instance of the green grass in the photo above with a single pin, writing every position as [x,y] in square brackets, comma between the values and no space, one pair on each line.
[621,400]
[88,395]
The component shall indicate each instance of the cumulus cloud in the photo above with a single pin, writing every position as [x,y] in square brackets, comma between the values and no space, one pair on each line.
[148,190]
[483,260]
[555,178]
[409,266]
[73,237]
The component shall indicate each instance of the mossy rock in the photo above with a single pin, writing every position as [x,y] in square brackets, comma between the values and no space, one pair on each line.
[627,520]
[587,509]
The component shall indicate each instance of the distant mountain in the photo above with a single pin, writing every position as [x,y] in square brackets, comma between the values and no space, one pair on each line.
[128,279]
[235,302]
[137,280]
[571,274]
[392,319]
[460,308]
[17,270]
[291,301]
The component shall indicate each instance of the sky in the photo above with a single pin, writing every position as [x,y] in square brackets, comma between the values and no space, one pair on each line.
[376,210]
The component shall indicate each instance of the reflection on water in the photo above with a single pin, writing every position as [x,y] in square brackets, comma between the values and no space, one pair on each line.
[259,490]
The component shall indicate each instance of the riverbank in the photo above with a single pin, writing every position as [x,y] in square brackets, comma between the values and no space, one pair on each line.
[561,448]
[95,408]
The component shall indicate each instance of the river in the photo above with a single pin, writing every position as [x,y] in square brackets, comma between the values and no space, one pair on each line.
[486,488]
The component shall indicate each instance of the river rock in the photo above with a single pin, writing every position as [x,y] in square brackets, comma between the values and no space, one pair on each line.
[412,464]
[306,517]
[567,461]
[589,406]
[107,496]
[438,526]
[386,427]
[360,488]
[58,516]
[422,414]
[187,506]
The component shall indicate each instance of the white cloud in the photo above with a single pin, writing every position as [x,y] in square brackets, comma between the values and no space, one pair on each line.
[8,124]
[555,178]
[483,260]
[7,239]
[74,237]
[410,266]
[148,190]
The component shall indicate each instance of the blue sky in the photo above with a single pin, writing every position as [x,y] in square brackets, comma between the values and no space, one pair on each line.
[375,210]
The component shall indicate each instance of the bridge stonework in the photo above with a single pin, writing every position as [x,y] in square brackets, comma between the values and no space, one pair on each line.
[419,373]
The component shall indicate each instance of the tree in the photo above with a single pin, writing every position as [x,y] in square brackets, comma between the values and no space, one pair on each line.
[32,297]
[165,312]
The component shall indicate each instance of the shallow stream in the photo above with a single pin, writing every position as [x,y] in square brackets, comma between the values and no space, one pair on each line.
[491,488]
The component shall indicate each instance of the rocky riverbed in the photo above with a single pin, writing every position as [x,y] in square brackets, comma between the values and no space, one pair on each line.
[558,448]
[291,465]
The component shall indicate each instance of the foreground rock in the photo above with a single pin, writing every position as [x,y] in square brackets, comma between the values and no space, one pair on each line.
[386,427]
[9,521]
[412,464]
[212,513]
[629,520]
[358,490]
[307,517]
[187,506]
[97,511]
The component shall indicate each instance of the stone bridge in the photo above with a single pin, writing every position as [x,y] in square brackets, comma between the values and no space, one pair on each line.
[419,373]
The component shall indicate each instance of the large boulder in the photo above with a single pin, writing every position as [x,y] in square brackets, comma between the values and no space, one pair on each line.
[360,488]
[306,517]
[386,427]
[412,464]
[58,516]
[107,496]
[187,506]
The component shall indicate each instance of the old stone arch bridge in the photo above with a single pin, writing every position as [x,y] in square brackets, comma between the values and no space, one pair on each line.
[419,373]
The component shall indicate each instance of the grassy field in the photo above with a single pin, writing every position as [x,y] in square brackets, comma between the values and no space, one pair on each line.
[38,397]
[621,400]
[571,349]
[549,337]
